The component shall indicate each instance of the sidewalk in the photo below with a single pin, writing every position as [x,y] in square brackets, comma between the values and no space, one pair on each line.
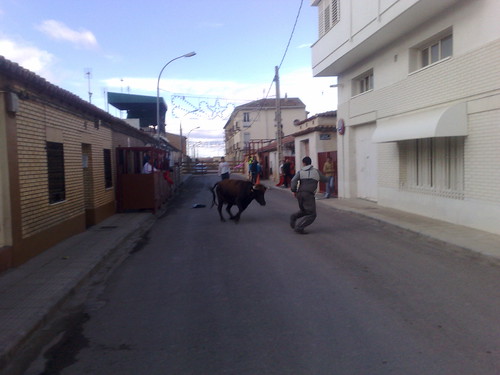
[476,241]
[31,294]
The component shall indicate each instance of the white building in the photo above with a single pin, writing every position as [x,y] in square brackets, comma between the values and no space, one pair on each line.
[419,93]
[253,125]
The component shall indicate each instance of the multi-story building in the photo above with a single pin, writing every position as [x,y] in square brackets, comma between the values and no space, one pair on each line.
[419,104]
[253,125]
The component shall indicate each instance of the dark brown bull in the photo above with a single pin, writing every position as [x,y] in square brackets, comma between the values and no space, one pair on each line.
[236,192]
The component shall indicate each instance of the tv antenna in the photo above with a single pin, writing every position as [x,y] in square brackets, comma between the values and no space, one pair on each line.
[88,74]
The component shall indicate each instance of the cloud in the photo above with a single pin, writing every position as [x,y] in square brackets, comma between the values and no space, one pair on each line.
[29,57]
[59,31]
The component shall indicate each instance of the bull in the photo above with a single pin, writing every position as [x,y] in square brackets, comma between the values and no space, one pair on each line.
[236,192]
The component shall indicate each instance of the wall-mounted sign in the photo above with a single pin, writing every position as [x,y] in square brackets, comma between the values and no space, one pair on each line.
[324,137]
[341,126]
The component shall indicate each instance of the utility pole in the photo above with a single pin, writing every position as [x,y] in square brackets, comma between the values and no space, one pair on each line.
[279,126]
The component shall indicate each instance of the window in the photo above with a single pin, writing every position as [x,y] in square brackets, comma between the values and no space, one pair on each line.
[363,83]
[246,118]
[55,169]
[432,50]
[435,165]
[329,11]
[246,139]
[108,176]
[438,50]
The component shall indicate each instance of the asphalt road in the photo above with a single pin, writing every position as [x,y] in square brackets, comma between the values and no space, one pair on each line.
[352,297]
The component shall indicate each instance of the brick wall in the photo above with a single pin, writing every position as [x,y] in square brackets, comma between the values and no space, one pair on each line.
[457,79]
[38,121]
[453,80]
[482,161]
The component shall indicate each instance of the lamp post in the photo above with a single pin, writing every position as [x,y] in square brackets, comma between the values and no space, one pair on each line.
[187,139]
[180,128]
[195,146]
[190,54]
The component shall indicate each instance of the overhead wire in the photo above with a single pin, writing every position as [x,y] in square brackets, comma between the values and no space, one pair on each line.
[281,62]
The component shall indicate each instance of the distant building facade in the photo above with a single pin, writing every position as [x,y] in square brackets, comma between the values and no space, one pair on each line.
[253,125]
[419,104]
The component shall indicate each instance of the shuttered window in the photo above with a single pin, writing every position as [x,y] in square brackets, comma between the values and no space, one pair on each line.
[55,168]
[329,15]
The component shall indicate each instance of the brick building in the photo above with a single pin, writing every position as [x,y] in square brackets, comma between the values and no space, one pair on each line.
[57,163]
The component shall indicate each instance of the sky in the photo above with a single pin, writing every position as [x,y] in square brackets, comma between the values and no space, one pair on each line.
[121,46]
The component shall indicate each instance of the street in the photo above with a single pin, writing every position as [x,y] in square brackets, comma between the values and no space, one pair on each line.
[354,296]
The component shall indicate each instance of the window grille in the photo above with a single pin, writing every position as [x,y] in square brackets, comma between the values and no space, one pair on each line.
[55,169]
[435,166]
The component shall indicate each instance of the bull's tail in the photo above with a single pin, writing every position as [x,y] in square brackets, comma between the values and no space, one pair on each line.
[214,197]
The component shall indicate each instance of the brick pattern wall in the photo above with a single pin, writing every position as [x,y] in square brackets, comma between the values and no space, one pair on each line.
[462,78]
[482,162]
[457,79]
[34,118]
[388,165]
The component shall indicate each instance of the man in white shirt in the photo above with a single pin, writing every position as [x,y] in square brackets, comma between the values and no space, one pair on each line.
[224,169]
[148,168]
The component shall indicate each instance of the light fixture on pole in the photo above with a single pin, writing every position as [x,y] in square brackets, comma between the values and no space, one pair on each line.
[190,54]
[187,139]
[180,131]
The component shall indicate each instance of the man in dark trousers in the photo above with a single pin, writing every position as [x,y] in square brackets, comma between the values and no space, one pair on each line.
[304,185]
[286,173]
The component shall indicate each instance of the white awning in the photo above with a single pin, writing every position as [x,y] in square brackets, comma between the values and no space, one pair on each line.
[441,122]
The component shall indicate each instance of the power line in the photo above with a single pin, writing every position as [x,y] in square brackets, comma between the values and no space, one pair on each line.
[293,31]
[282,59]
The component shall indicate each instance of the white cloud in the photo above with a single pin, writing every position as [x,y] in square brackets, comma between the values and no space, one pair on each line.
[29,57]
[316,93]
[59,31]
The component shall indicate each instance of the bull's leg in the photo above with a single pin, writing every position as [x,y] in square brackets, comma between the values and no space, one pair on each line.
[236,217]
[228,209]
[219,208]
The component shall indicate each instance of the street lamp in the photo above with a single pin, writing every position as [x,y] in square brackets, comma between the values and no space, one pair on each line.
[195,146]
[187,139]
[190,54]
[180,127]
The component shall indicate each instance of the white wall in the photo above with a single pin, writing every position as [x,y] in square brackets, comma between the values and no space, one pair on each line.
[471,75]
[366,162]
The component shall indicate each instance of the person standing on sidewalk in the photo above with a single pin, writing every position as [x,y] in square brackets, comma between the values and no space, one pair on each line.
[304,185]
[286,173]
[224,169]
[328,172]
